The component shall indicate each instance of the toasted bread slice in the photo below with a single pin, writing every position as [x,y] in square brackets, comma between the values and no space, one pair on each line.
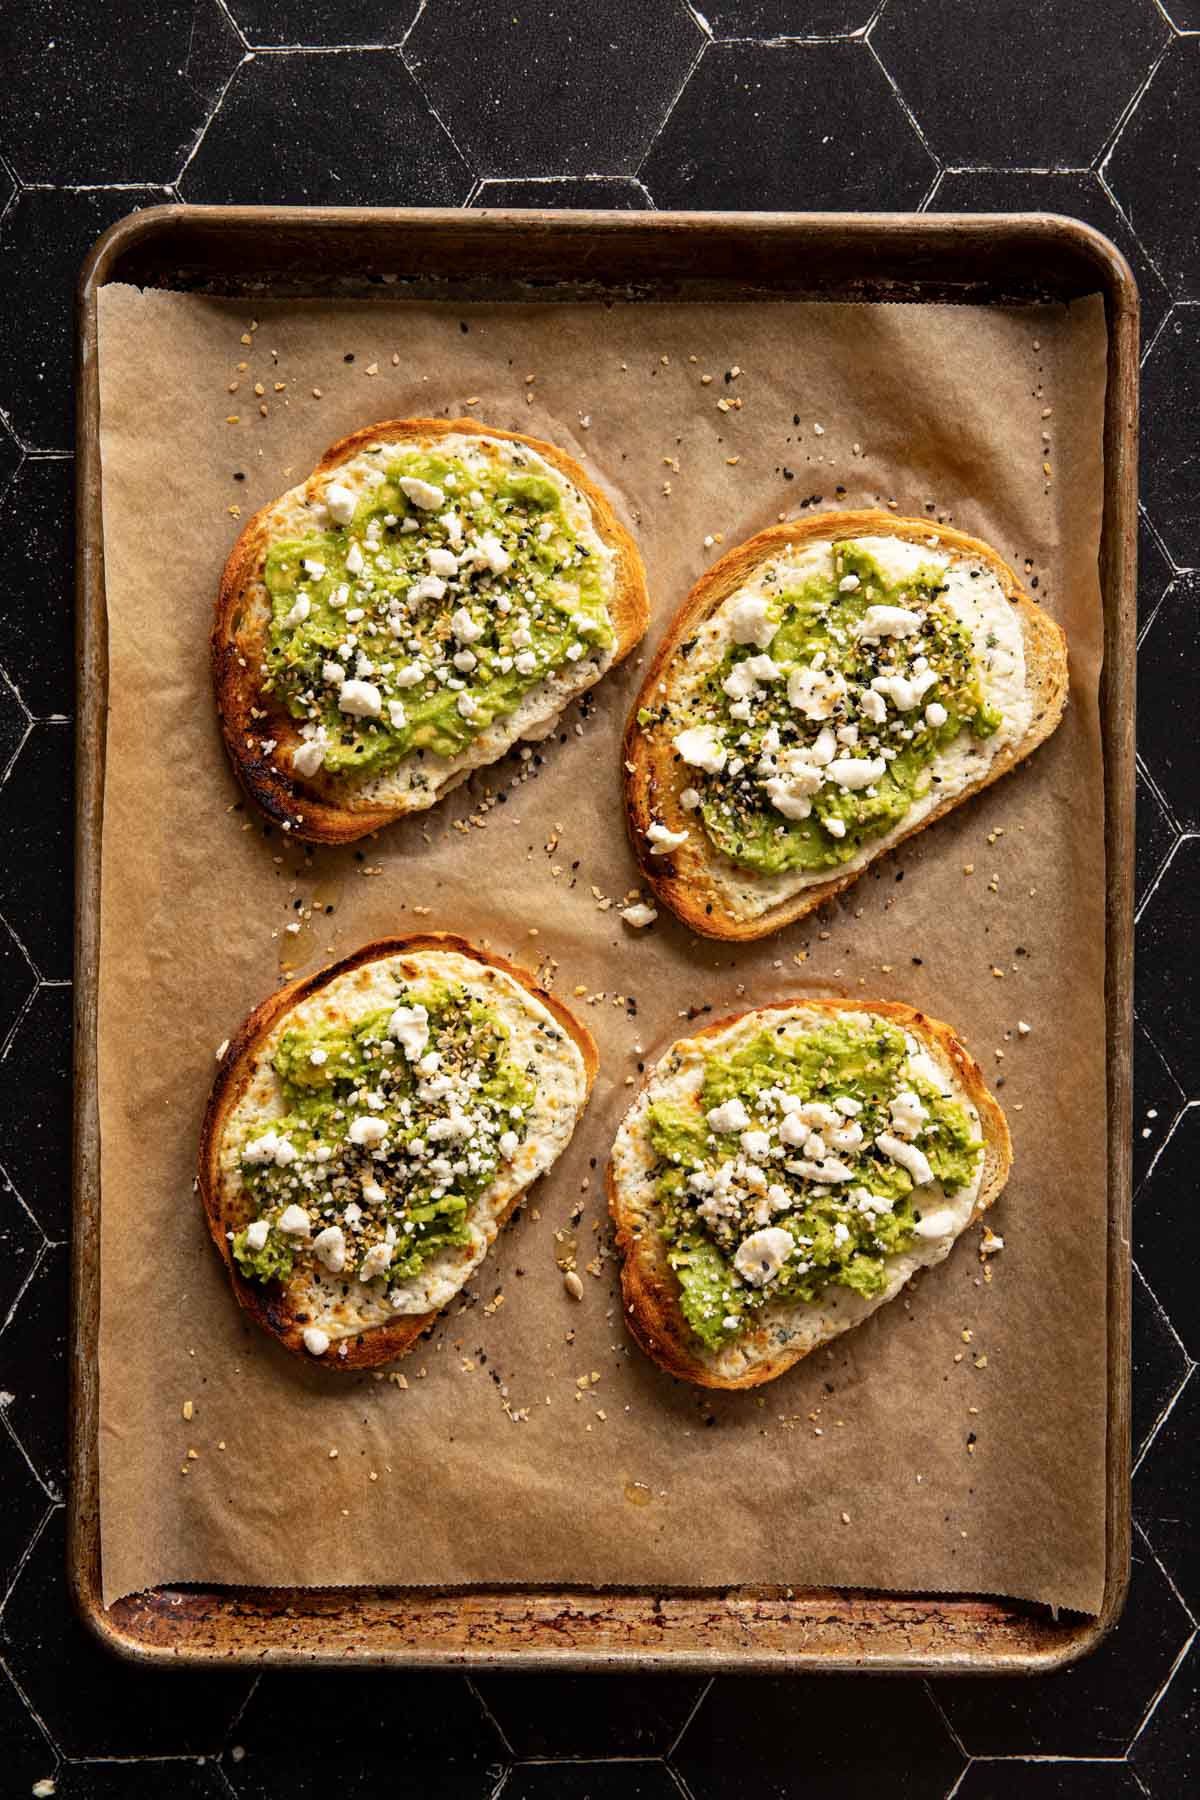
[708,891]
[261,735]
[782,1332]
[368,1323]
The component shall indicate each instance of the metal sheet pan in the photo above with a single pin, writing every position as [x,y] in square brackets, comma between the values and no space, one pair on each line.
[360,252]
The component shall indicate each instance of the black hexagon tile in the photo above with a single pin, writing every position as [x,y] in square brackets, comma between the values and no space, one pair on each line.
[1166,1228]
[614,192]
[1091,1709]
[1154,572]
[35,1109]
[20,1241]
[549,88]
[1157,1101]
[10,453]
[14,722]
[592,1781]
[36,598]
[1166,1756]
[102,1706]
[1155,835]
[17,981]
[1007,1779]
[172,1779]
[1164,1494]
[28,1757]
[429,1728]
[788,18]
[44,237]
[283,22]
[589,1715]
[94,99]
[24,1503]
[281,134]
[843,138]
[1168,672]
[35,829]
[1159,142]
[1170,446]
[1078,195]
[1042,87]
[864,1737]
[1160,1363]
[35,1409]
[1167,935]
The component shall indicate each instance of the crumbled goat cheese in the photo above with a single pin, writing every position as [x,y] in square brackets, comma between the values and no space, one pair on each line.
[889,621]
[731,1115]
[361,699]
[701,748]
[329,1247]
[907,1155]
[422,493]
[661,839]
[759,1258]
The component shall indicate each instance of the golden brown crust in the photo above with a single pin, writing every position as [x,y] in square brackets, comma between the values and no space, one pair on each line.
[315,809]
[269,1305]
[655,778]
[650,1287]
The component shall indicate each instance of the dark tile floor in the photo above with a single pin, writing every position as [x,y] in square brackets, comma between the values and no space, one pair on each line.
[996,104]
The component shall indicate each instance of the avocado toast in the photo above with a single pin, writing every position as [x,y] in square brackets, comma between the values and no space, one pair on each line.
[827,689]
[371,1129]
[784,1173]
[436,590]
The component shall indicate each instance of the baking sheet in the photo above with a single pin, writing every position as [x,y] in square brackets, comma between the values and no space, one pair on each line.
[916,404]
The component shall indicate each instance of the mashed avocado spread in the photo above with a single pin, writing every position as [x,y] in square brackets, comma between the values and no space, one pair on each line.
[797,1166]
[452,589]
[817,729]
[393,1126]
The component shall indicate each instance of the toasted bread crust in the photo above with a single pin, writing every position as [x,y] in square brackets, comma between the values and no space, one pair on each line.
[654,777]
[268,1305]
[650,1287]
[317,810]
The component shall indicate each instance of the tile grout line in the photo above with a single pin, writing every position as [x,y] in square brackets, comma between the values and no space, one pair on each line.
[468,162]
[702,51]
[15,1191]
[26,1555]
[1156,1702]
[205,124]
[701,1697]
[1183,838]
[1167,1410]
[1106,187]
[490,1716]
[1187,1107]
[927,1687]
[1100,160]
[1163,1570]
[31,1709]
[240,1714]
[905,108]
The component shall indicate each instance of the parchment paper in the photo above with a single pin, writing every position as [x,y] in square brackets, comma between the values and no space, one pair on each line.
[956,1441]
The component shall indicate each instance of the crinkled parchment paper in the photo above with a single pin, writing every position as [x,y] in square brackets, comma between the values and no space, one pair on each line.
[956,1441]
